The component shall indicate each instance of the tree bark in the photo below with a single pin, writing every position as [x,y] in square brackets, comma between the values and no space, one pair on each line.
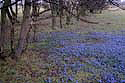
[61,12]
[3,27]
[53,13]
[25,27]
[16,9]
[35,14]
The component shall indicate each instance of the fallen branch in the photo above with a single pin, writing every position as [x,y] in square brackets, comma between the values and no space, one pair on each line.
[84,20]
[44,11]
[44,18]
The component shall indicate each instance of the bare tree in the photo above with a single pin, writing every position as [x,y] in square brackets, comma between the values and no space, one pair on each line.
[53,12]
[25,27]
[16,9]
[7,10]
[3,28]
[35,14]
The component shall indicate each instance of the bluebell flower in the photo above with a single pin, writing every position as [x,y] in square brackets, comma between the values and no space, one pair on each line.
[77,81]
[122,81]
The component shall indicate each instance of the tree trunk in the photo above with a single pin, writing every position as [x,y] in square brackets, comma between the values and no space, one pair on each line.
[12,41]
[25,27]
[35,12]
[68,13]
[61,12]
[3,28]
[16,9]
[52,6]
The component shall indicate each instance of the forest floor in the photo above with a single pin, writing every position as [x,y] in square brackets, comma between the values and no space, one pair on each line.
[78,53]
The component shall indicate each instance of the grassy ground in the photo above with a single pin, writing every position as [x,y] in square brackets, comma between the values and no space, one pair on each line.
[108,21]
[35,66]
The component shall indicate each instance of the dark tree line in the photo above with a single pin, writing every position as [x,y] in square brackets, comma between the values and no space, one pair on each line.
[31,12]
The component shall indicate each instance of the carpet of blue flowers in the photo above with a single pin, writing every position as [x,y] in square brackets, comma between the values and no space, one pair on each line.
[97,57]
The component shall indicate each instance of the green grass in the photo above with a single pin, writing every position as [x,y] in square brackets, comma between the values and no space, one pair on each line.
[111,20]
[108,21]
[117,17]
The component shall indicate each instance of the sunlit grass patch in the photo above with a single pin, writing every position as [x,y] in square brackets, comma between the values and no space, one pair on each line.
[83,76]
[112,16]
[42,44]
